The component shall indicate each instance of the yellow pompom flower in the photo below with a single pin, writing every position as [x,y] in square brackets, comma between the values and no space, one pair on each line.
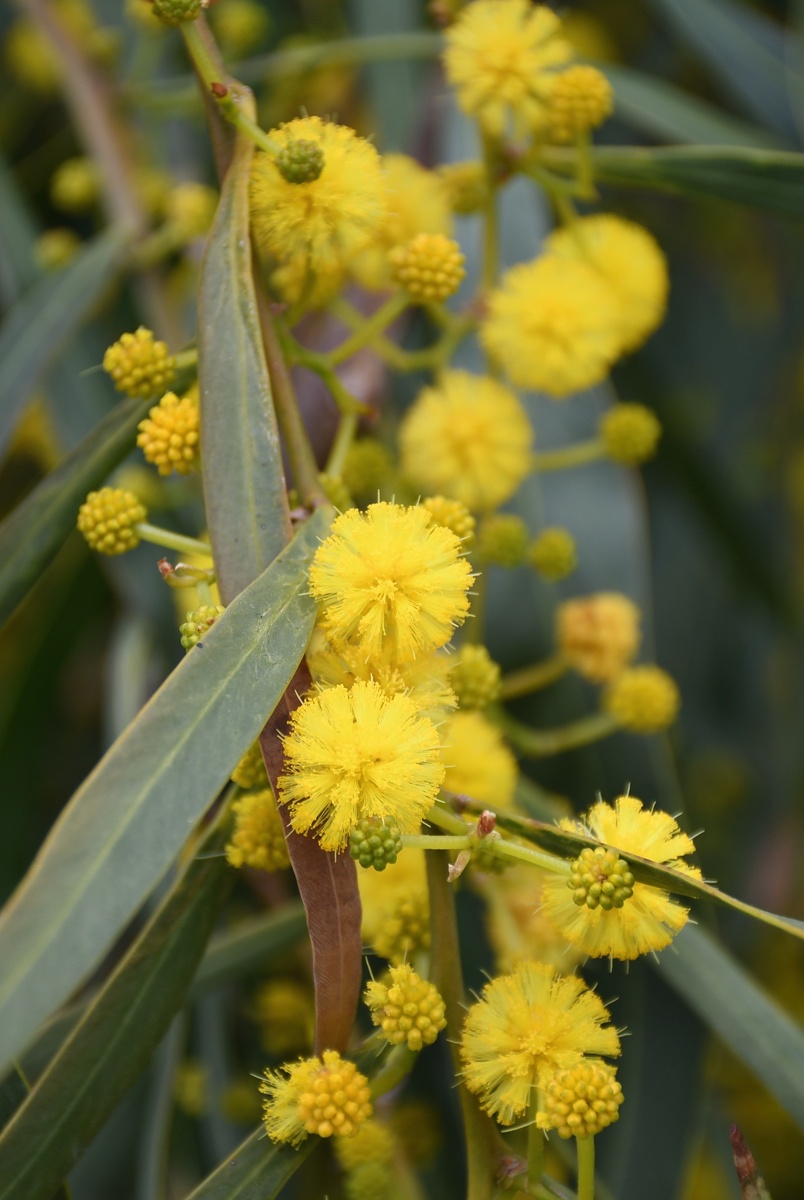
[629,260]
[614,916]
[526,1027]
[469,438]
[643,699]
[630,433]
[190,209]
[598,635]
[553,554]
[169,435]
[425,681]
[406,1008]
[198,622]
[581,100]
[501,57]
[327,1096]
[415,201]
[75,186]
[391,582]
[321,224]
[582,1100]
[396,908]
[553,324]
[138,365]
[452,514]
[258,839]
[250,771]
[479,764]
[355,754]
[475,677]
[429,268]
[107,519]
[373,1144]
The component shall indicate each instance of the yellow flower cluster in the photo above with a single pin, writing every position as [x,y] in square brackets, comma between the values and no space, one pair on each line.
[169,435]
[196,624]
[258,839]
[581,99]
[406,1008]
[108,520]
[396,908]
[138,365]
[553,554]
[430,267]
[643,699]
[582,1100]
[475,677]
[598,635]
[327,1096]
[250,771]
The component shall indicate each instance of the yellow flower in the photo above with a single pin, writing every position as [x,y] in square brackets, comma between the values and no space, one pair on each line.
[479,764]
[582,1100]
[318,226]
[469,438]
[630,433]
[643,699]
[326,1095]
[453,514]
[430,267]
[581,100]
[415,201]
[169,435]
[354,754]
[108,520]
[258,839]
[406,1008]
[391,582]
[647,918]
[138,365]
[598,635]
[475,677]
[526,1027]
[501,57]
[396,908]
[629,260]
[553,324]
[250,771]
[553,553]
[373,1144]
[516,926]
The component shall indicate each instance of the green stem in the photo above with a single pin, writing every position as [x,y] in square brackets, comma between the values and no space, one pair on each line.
[347,428]
[435,841]
[500,848]
[321,364]
[444,818]
[204,592]
[542,743]
[171,540]
[536,1142]
[398,1066]
[374,325]
[532,678]
[586,1168]
[569,456]
[586,173]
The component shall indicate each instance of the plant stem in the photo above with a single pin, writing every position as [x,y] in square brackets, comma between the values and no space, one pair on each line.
[542,743]
[532,678]
[347,428]
[171,540]
[569,456]
[535,1151]
[443,818]
[397,1067]
[374,325]
[586,1168]
[503,849]
[203,592]
[435,841]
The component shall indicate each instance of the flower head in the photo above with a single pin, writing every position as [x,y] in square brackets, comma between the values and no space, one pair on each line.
[357,753]
[581,100]
[250,771]
[475,677]
[598,635]
[258,839]
[108,520]
[198,622]
[637,918]
[553,324]
[138,365]
[326,1095]
[469,438]
[629,260]
[391,581]
[479,764]
[320,224]
[429,267]
[169,435]
[526,1027]
[501,56]
[453,514]
[396,908]
[630,433]
[406,1008]
[582,1100]
[643,699]
[553,553]
[502,540]
[372,1145]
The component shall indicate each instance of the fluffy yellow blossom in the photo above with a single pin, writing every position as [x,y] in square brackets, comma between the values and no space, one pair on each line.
[138,365]
[581,100]
[318,226]
[469,438]
[107,519]
[582,1100]
[526,1027]
[169,435]
[629,260]
[396,908]
[647,919]
[391,582]
[479,764]
[353,754]
[598,635]
[326,1095]
[373,1143]
[643,699]
[553,553]
[630,433]
[406,1008]
[250,771]
[553,324]
[190,208]
[75,186]
[475,677]
[501,57]
[415,201]
[258,839]
[429,267]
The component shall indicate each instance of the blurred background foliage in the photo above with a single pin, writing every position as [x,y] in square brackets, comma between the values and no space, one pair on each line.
[710,540]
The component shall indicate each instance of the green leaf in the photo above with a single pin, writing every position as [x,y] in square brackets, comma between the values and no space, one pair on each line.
[656,107]
[257,1170]
[248,946]
[244,486]
[45,316]
[746,1018]
[771,179]
[125,825]
[116,1037]
[31,535]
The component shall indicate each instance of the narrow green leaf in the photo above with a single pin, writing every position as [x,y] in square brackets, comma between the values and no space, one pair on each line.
[771,179]
[257,1170]
[46,315]
[248,946]
[745,1017]
[117,1035]
[244,486]
[127,822]
[14,1089]
[662,110]
[31,535]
